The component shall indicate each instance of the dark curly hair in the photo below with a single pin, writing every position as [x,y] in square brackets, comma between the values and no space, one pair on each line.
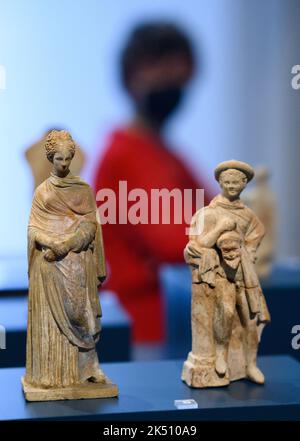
[56,137]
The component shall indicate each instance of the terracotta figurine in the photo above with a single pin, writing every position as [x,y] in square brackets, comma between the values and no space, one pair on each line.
[66,265]
[228,307]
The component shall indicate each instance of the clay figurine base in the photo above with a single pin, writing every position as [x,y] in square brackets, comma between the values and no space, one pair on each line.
[86,390]
[197,375]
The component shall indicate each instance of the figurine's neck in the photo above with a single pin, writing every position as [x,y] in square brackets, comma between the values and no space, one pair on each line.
[61,174]
[233,199]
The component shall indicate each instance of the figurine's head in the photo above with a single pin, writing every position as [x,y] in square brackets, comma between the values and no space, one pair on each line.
[156,63]
[60,149]
[230,245]
[233,177]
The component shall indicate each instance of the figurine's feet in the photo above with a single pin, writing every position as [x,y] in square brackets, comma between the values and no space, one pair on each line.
[255,374]
[221,365]
[98,377]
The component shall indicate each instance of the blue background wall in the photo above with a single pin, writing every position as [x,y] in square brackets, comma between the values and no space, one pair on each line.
[61,59]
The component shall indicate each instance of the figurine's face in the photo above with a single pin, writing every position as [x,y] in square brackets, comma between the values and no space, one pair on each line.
[231,250]
[232,182]
[62,160]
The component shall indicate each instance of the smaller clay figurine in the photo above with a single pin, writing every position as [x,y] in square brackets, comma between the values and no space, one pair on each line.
[228,307]
[66,265]
[262,201]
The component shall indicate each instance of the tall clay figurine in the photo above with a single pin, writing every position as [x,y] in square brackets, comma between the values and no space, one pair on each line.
[228,307]
[66,266]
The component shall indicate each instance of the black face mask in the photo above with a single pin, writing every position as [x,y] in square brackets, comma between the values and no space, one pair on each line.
[157,105]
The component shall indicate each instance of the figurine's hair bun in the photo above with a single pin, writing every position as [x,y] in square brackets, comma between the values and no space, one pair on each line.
[55,138]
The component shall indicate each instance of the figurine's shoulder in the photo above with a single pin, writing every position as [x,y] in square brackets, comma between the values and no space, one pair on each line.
[208,213]
[207,210]
[78,180]
[87,187]
[249,212]
[41,188]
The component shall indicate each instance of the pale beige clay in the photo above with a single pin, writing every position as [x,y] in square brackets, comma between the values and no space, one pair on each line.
[66,265]
[228,307]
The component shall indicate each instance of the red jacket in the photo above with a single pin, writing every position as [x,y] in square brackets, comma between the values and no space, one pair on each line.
[135,252]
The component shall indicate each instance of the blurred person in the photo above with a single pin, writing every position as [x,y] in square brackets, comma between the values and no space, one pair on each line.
[157,63]
[41,167]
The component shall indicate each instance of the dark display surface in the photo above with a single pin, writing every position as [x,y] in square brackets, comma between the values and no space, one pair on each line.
[148,391]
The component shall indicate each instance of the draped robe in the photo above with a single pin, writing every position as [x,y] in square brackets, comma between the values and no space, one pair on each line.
[64,309]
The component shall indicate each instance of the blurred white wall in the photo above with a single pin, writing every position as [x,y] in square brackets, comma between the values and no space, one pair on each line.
[60,60]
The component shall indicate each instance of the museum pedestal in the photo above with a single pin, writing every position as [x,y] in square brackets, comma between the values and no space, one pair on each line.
[147,391]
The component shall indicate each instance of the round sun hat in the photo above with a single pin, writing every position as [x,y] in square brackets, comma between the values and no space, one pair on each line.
[236,165]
